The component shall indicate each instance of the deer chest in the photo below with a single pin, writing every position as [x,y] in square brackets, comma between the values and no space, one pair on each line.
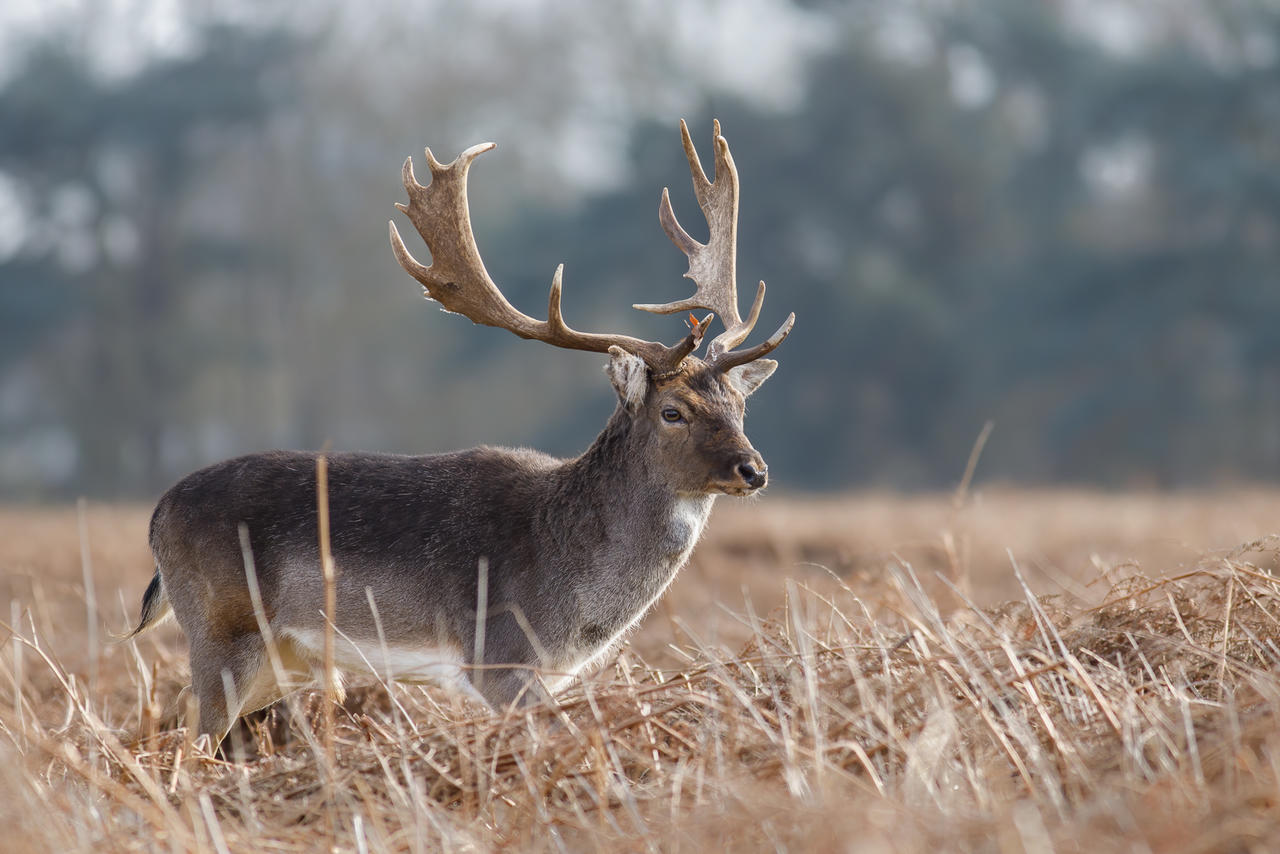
[683,528]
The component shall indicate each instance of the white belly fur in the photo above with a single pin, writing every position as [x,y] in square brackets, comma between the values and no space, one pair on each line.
[394,663]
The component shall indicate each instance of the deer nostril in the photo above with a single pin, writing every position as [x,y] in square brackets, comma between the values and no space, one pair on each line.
[750,475]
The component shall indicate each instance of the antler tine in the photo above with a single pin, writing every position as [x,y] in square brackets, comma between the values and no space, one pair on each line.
[733,358]
[712,266]
[457,278]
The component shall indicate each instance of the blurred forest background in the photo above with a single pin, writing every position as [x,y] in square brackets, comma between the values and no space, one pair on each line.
[1063,217]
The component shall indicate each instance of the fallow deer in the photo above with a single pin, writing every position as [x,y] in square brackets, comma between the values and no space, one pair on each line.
[568,554]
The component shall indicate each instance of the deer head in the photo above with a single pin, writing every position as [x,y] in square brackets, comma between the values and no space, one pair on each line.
[689,425]
[684,411]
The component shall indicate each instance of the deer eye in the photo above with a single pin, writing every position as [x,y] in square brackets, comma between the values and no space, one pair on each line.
[671,415]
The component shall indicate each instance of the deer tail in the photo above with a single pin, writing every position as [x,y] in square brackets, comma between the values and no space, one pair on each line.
[155,607]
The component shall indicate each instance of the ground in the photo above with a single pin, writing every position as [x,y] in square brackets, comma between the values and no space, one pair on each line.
[1007,670]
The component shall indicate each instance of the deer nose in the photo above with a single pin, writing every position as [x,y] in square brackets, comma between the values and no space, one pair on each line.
[753,476]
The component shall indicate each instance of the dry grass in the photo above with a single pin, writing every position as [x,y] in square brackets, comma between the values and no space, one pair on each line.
[828,674]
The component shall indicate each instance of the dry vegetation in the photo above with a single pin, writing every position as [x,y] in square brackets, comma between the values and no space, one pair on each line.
[1026,672]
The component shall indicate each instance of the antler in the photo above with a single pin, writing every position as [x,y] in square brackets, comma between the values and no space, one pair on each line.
[712,265]
[458,280]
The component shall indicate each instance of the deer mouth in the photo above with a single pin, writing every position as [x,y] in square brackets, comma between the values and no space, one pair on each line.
[738,490]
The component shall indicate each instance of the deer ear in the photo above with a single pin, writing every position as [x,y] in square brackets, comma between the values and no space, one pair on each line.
[629,375]
[745,379]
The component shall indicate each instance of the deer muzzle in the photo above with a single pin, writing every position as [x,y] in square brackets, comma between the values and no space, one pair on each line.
[749,472]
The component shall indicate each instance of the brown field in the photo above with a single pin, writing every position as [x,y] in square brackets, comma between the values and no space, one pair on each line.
[1024,671]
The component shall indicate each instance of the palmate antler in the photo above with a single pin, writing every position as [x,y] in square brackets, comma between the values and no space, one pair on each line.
[712,266]
[457,278]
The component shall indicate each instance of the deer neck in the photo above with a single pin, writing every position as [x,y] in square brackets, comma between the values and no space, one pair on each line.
[633,531]
[618,471]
